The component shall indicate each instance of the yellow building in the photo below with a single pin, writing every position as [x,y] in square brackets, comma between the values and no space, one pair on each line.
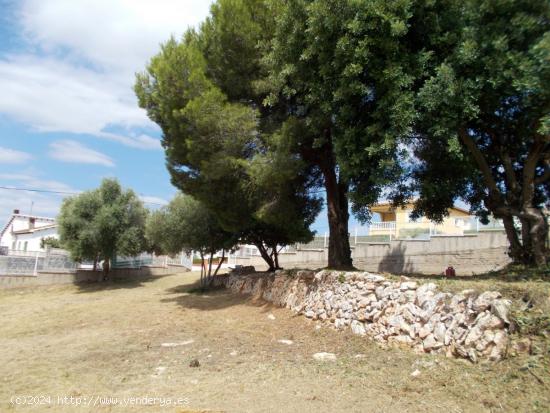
[397,222]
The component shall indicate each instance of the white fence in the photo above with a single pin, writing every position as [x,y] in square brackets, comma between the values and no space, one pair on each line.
[32,262]
[15,262]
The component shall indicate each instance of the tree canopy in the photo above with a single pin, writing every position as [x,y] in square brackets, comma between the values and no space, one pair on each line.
[97,224]
[483,127]
[271,102]
[187,225]
[339,71]
[215,148]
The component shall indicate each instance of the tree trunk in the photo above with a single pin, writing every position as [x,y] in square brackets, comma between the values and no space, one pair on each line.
[209,276]
[220,263]
[276,257]
[202,269]
[516,249]
[339,251]
[538,232]
[517,202]
[266,257]
[106,267]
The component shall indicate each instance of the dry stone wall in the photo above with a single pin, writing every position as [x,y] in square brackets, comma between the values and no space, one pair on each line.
[467,325]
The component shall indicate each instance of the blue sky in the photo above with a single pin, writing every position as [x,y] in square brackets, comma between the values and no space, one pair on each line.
[68,114]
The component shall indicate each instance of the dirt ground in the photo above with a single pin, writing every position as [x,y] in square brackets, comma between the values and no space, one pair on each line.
[105,344]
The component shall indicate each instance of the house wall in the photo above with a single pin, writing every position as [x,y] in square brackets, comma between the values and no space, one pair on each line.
[405,227]
[20,223]
[33,239]
[471,254]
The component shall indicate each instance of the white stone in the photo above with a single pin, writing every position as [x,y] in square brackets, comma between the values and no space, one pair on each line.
[424,288]
[501,308]
[415,373]
[158,371]
[358,328]
[474,335]
[180,343]
[501,341]
[374,278]
[380,292]
[484,301]
[488,321]
[425,330]
[400,339]
[271,317]
[408,285]
[285,341]
[310,314]
[439,332]
[429,343]
[423,297]
[324,356]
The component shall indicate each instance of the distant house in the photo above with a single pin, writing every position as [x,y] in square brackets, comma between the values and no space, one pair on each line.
[24,232]
[398,223]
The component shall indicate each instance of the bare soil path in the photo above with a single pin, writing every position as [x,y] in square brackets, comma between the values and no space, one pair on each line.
[137,339]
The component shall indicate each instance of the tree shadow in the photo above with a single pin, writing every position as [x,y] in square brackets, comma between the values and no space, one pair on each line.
[215,298]
[395,261]
[89,281]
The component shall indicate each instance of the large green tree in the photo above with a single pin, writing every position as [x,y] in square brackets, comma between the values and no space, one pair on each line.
[187,225]
[339,74]
[483,130]
[217,149]
[97,224]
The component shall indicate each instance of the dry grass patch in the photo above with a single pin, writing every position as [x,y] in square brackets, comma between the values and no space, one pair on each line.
[108,340]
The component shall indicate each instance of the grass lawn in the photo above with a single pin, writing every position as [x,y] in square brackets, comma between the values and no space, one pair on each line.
[135,339]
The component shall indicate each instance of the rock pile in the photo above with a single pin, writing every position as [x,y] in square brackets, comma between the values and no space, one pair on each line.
[403,313]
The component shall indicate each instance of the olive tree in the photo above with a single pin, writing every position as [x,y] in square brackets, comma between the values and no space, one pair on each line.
[185,224]
[97,224]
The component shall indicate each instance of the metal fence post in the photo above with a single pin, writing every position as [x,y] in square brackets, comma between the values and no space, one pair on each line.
[35,272]
[355,235]
[325,241]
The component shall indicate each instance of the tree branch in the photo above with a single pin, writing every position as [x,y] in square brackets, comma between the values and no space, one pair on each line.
[545,175]
[529,169]
[481,162]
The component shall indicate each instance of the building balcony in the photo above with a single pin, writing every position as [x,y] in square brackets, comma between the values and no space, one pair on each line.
[387,227]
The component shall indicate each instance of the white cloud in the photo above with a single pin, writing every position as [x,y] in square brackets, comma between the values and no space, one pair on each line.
[74,152]
[153,200]
[12,156]
[79,73]
[120,34]
[141,141]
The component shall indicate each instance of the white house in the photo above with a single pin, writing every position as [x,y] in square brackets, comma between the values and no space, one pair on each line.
[24,232]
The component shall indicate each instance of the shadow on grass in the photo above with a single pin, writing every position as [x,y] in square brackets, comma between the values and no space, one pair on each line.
[115,282]
[192,296]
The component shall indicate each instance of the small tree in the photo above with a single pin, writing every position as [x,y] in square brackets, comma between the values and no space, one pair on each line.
[50,242]
[187,225]
[100,223]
